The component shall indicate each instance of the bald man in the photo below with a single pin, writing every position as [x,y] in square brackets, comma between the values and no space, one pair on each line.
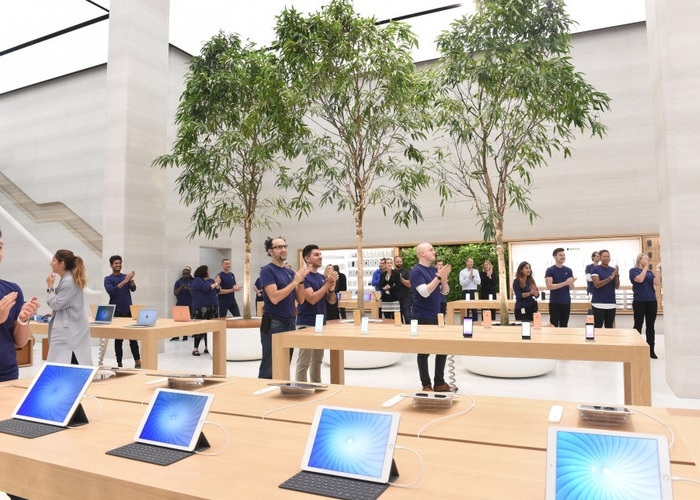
[428,284]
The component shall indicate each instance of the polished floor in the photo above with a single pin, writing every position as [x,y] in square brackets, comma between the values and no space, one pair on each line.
[582,381]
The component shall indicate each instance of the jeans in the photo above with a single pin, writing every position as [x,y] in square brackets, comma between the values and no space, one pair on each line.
[603,317]
[227,305]
[119,345]
[474,313]
[309,360]
[276,326]
[405,305]
[559,315]
[440,360]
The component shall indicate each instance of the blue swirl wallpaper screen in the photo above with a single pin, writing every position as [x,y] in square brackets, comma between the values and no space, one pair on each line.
[351,442]
[55,393]
[600,466]
[173,418]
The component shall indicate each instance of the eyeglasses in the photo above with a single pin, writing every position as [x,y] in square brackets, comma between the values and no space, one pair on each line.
[280,247]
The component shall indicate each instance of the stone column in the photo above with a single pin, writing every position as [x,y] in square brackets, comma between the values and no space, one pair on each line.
[674,41]
[137,118]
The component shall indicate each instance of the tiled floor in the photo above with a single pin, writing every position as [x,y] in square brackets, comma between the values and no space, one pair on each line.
[591,382]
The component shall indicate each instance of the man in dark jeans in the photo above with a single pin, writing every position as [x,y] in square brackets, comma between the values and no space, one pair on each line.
[119,287]
[283,288]
[428,283]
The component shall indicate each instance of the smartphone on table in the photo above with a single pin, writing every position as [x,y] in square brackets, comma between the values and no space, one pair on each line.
[468,328]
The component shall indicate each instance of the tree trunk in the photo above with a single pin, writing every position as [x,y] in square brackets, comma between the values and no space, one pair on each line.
[246,272]
[502,285]
[360,265]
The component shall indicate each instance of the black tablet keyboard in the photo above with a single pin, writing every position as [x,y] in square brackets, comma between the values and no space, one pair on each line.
[334,486]
[149,453]
[27,429]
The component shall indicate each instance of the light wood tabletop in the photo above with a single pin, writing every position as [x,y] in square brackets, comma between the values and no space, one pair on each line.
[165,328]
[492,420]
[509,462]
[617,345]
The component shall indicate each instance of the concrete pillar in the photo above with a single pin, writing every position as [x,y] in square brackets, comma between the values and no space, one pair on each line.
[137,118]
[674,41]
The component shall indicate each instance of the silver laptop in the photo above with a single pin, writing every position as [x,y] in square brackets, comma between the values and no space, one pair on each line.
[146,318]
[104,315]
[604,464]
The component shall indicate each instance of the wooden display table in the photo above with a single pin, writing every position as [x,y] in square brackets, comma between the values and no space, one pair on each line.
[372,305]
[165,328]
[620,345]
[493,420]
[508,463]
[461,306]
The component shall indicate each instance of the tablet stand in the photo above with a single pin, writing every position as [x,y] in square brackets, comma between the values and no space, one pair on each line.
[394,472]
[79,418]
[202,443]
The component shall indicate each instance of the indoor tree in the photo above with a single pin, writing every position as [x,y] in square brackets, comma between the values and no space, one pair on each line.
[364,106]
[233,125]
[509,98]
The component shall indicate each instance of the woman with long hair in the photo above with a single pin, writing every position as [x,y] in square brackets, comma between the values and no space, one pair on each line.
[205,302]
[525,291]
[69,329]
[644,303]
[489,284]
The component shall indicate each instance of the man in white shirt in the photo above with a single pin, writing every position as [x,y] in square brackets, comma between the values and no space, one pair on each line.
[469,280]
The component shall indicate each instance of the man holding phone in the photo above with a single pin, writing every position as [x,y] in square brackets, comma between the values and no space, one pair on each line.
[427,285]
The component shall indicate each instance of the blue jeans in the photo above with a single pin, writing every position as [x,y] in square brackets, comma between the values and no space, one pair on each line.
[440,361]
[276,326]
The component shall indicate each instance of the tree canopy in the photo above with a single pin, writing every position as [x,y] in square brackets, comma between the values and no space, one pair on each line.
[365,107]
[509,98]
[234,125]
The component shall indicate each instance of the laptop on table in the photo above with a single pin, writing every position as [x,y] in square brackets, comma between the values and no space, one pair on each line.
[171,428]
[604,464]
[146,318]
[349,454]
[51,402]
[182,314]
[104,315]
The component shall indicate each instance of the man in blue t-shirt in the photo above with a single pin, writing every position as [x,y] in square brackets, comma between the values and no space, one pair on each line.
[559,280]
[227,299]
[119,287]
[427,285]
[14,324]
[318,291]
[283,289]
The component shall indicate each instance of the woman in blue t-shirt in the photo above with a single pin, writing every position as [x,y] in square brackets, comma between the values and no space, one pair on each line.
[644,302]
[525,292]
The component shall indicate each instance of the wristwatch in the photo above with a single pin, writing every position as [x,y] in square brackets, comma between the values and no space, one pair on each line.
[49,290]
[23,323]
[438,277]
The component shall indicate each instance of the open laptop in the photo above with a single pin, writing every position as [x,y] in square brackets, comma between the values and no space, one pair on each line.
[146,318]
[104,315]
[51,402]
[181,314]
[605,464]
[171,428]
[349,453]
